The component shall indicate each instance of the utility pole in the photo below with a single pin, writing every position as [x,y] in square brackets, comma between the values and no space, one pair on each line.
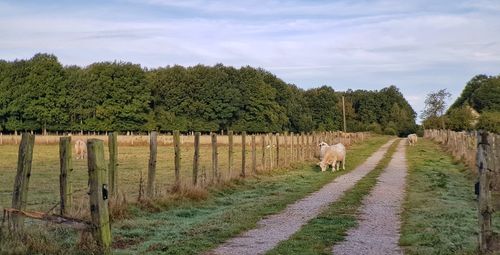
[343,111]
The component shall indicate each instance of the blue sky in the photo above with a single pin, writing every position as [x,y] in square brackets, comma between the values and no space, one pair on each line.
[419,46]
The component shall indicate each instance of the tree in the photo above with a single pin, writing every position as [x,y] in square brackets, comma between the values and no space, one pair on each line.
[435,106]
[459,119]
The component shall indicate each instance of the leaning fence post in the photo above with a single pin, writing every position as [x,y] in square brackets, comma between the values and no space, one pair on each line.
[177,159]
[113,162]
[243,153]
[230,156]
[152,163]
[215,171]
[20,194]
[66,167]
[196,157]
[99,193]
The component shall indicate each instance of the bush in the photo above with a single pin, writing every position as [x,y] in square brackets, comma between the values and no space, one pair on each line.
[375,128]
[389,131]
[460,119]
[489,121]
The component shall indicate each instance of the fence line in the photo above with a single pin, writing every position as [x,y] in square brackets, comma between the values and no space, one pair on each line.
[103,174]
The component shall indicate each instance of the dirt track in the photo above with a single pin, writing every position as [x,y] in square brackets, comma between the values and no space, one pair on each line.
[275,228]
[378,229]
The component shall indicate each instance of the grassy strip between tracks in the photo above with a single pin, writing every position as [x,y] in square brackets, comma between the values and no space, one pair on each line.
[321,233]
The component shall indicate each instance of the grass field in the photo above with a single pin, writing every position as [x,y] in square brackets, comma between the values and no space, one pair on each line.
[440,213]
[190,227]
[133,160]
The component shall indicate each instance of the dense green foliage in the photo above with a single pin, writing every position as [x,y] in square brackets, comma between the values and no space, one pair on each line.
[40,93]
[480,95]
[489,121]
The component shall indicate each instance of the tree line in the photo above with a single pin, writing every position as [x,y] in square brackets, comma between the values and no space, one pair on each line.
[478,107]
[41,94]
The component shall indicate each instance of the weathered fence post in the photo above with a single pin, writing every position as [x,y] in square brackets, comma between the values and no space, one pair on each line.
[263,140]
[231,152]
[99,194]
[113,162]
[153,146]
[291,147]
[271,151]
[277,150]
[20,194]
[485,166]
[196,157]
[66,167]
[177,159]
[285,145]
[243,153]
[215,168]
[254,156]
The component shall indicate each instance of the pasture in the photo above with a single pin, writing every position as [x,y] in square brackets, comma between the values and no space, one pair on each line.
[271,190]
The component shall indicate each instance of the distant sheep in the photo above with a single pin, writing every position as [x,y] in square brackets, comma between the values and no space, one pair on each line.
[80,149]
[412,139]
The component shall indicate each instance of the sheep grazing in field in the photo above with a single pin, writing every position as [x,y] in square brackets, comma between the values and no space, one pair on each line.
[412,139]
[80,149]
[332,156]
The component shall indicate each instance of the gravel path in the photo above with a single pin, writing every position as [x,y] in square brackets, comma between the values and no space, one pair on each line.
[275,228]
[378,229]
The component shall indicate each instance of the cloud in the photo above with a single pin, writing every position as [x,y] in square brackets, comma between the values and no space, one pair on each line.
[416,45]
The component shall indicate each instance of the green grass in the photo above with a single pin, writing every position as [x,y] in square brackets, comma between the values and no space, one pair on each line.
[321,233]
[189,227]
[44,180]
[440,212]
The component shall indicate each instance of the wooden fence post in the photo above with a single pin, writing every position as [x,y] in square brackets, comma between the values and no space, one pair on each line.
[308,147]
[99,194]
[277,150]
[215,170]
[113,162]
[153,148]
[263,140]
[271,151]
[243,153]
[254,156]
[231,152]
[291,147]
[196,158]
[20,194]
[177,159]
[485,170]
[66,167]
[285,148]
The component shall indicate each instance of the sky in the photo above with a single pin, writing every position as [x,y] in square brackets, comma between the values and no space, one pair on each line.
[419,46]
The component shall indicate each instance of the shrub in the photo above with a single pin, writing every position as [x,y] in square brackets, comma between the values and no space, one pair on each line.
[375,127]
[389,131]
[489,121]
